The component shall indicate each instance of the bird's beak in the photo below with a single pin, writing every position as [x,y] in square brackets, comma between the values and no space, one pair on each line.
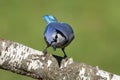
[53,44]
[54,47]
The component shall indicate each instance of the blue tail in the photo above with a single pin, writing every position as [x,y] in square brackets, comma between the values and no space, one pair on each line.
[49,19]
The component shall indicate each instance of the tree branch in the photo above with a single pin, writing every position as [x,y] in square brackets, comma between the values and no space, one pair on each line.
[26,61]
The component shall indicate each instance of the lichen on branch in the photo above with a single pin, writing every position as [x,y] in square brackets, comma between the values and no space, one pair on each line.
[26,61]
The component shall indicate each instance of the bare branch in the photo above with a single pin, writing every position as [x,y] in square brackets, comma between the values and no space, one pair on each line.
[26,61]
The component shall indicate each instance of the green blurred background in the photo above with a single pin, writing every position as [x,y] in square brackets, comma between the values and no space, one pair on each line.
[96,24]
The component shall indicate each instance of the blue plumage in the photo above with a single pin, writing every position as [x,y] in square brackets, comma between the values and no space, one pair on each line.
[57,34]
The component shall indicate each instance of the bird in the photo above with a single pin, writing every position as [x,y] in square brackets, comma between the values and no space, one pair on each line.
[57,34]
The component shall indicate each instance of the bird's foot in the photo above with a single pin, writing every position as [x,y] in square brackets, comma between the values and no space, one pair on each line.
[65,57]
[44,51]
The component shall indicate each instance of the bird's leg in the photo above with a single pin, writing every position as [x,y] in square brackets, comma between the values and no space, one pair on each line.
[65,56]
[45,50]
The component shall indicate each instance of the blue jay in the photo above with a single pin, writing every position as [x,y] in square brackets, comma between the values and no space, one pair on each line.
[57,34]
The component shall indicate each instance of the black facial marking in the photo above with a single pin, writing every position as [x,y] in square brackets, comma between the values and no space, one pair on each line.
[66,41]
[55,39]
[61,33]
[56,36]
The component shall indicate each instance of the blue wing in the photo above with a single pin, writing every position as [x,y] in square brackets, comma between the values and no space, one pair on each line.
[64,28]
